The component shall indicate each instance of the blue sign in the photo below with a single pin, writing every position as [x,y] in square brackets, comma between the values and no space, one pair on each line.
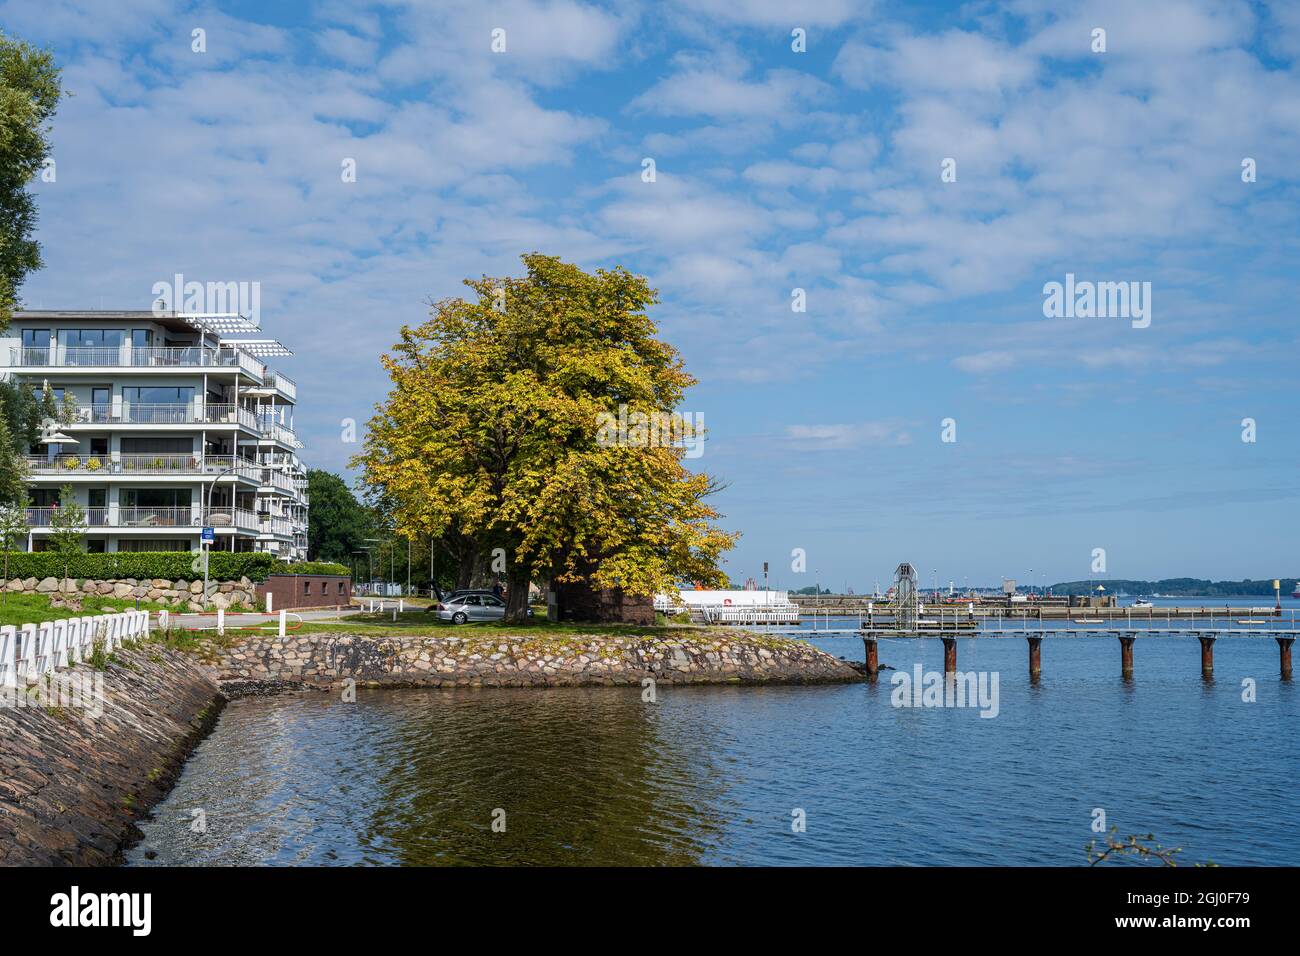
[209,535]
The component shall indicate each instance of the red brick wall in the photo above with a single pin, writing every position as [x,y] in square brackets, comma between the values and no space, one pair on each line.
[306,590]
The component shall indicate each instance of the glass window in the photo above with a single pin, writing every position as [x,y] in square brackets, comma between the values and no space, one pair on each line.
[91,338]
[36,338]
[158,395]
[141,338]
[156,497]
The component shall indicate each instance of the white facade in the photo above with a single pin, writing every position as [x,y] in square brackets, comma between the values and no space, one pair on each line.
[174,426]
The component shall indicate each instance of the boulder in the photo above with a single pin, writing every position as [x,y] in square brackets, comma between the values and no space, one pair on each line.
[162,584]
[194,606]
[89,586]
[15,585]
[155,593]
[220,601]
[47,585]
[104,587]
[69,586]
[29,584]
[246,584]
[226,587]
[122,590]
[196,587]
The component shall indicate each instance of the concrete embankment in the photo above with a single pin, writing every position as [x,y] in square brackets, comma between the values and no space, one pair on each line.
[77,769]
[500,660]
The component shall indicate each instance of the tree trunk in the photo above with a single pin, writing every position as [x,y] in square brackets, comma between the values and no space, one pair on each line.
[517,580]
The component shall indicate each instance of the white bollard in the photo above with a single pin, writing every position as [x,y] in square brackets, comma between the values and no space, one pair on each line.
[164,617]
[270,603]
[401,604]
[221,622]
[282,616]
[27,652]
[8,656]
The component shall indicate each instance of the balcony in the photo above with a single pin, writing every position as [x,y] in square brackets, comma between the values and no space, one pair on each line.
[174,414]
[275,431]
[129,465]
[190,356]
[149,519]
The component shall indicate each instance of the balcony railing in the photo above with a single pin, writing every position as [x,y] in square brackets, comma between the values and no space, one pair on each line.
[141,517]
[170,414]
[144,464]
[123,356]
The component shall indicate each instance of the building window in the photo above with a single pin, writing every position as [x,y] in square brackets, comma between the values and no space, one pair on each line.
[306,588]
[158,544]
[342,589]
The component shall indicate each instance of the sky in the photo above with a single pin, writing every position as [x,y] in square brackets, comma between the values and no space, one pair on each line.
[921,171]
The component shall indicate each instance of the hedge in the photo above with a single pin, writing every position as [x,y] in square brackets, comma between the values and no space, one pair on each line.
[313,567]
[170,565]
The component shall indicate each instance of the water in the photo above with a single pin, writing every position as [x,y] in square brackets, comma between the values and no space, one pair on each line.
[712,774]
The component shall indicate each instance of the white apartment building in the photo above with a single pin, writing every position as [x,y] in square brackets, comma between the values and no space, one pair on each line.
[168,422]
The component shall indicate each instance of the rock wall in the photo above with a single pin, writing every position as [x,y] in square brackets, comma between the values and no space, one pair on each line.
[689,657]
[184,595]
[73,782]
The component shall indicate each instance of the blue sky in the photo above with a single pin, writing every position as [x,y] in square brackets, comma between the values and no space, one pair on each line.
[776,170]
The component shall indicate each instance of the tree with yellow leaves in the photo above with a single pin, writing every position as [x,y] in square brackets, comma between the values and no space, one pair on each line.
[495,438]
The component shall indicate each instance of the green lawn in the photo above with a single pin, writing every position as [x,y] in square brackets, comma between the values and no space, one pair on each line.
[423,623]
[20,609]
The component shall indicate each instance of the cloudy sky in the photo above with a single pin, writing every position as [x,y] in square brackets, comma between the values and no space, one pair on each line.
[775,170]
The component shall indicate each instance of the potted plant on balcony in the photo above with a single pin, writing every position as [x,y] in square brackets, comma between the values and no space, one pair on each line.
[71,463]
[93,464]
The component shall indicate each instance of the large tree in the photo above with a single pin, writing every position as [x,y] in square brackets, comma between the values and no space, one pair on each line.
[337,524]
[493,435]
[29,94]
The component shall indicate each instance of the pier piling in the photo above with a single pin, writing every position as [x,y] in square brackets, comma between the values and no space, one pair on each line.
[1207,655]
[873,661]
[1284,651]
[1035,657]
[1126,654]
[950,655]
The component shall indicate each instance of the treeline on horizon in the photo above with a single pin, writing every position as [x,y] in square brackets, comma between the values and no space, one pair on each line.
[1179,587]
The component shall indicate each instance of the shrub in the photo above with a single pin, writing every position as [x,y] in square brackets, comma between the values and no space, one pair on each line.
[314,567]
[171,565]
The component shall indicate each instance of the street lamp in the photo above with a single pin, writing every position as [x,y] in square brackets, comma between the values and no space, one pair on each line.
[207,515]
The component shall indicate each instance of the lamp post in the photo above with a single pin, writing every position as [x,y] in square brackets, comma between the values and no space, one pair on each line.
[207,514]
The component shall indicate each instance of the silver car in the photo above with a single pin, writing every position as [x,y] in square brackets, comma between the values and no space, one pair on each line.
[471,607]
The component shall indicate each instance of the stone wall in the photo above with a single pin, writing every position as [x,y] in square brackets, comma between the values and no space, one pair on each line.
[72,783]
[183,595]
[686,657]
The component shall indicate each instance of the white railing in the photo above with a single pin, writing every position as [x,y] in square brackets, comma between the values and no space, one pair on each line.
[29,652]
[752,614]
[118,356]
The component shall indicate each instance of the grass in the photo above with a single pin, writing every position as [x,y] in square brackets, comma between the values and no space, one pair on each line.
[20,609]
[424,624]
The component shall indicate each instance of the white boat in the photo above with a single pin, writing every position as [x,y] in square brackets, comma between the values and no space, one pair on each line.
[1141,603]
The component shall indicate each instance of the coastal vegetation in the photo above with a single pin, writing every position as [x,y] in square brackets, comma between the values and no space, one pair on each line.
[30,90]
[490,442]
[1179,587]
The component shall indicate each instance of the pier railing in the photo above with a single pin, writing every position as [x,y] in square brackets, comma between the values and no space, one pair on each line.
[34,650]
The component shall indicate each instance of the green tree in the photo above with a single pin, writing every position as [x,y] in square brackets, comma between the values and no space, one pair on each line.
[337,523]
[22,413]
[13,529]
[495,436]
[67,527]
[13,470]
[30,91]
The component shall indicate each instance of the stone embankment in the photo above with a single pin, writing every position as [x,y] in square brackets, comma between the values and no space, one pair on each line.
[260,664]
[183,595]
[77,769]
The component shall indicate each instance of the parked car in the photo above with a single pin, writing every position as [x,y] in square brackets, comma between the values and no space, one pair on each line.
[453,595]
[474,606]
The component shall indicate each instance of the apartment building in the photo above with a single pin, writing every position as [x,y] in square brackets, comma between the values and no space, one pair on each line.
[167,423]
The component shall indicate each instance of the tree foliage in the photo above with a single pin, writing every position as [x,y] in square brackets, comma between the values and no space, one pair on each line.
[30,91]
[491,442]
[337,523]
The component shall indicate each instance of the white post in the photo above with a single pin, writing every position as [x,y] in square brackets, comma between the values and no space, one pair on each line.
[282,616]
[401,604]
[221,622]
[27,651]
[270,602]
[8,656]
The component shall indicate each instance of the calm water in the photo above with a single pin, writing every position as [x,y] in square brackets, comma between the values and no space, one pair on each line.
[711,775]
